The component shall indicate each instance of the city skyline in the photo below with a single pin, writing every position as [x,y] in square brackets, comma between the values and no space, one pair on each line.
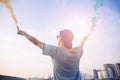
[110,71]
[44,19]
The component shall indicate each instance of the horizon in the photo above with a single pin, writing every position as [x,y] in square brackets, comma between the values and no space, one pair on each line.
[44,19]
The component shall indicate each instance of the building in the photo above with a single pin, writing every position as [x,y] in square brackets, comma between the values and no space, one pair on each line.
[99,74]
[85,76]
[95,74]
[110,70]
[117,67]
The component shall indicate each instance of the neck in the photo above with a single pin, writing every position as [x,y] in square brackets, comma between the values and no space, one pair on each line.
[62,45]
[70,49]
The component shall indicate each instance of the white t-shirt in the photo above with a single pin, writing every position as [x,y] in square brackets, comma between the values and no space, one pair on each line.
[65,62]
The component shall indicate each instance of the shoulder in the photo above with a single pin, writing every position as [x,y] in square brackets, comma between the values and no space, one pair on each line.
[49,46]
[50,50]
[78,49]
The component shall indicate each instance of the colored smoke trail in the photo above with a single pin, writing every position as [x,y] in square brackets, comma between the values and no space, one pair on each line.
[6,3]
[97,5]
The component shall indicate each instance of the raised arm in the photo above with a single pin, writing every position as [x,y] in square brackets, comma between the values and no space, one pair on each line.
[31,39]
[83,41]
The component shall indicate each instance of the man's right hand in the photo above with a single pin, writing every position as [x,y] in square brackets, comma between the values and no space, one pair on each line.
[20,32]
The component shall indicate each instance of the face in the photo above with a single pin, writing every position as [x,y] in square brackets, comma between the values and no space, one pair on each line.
[59,40]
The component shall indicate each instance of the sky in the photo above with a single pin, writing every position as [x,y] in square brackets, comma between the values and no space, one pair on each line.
[44,19]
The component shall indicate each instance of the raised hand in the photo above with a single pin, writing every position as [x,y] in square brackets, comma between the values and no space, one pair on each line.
[20,32]
[85,38]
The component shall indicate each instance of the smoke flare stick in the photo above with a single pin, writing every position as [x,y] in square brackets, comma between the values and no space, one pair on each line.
[17,28]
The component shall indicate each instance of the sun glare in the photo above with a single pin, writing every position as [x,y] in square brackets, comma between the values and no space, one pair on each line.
[79,25]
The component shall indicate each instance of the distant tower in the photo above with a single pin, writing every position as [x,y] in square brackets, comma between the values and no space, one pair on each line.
[110,70]
[95,74]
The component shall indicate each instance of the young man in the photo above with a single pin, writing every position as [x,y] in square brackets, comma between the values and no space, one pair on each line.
[65,58]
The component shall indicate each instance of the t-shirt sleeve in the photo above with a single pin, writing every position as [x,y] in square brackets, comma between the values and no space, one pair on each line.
[49,50]
[79,50]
